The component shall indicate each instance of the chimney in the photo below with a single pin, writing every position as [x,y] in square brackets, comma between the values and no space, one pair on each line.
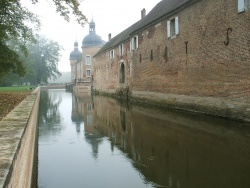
[109,36]
[143,13]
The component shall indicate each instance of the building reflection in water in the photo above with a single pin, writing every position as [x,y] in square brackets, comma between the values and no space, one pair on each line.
[168,148]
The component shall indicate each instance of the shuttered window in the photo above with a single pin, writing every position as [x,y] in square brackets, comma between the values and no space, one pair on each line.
[173,27]
[134,43]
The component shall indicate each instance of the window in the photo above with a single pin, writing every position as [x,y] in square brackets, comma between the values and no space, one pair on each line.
[88,60]
[173,27]
[88,73]
[121,49]
[112,54]
[134,43]
[243,5]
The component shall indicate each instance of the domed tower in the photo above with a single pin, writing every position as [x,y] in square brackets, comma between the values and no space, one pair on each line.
[75,58]
[92,39]
[91,44]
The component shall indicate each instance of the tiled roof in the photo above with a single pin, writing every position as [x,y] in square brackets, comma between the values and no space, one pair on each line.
[162,9]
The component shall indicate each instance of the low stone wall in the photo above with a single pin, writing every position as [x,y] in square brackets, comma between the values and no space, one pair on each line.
[221,107]
[18,132]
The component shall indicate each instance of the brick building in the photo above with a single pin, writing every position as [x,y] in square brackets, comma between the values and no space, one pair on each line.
[189,54]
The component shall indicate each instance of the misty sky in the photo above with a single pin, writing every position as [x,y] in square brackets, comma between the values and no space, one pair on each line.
[110,16]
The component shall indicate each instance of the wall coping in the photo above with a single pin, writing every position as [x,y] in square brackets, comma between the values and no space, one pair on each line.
[12,129]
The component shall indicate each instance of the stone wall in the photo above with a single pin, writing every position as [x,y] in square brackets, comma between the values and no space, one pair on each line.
[18,133]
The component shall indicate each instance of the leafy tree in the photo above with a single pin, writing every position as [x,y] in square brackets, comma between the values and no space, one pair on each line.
[13,27]
[40,64]
[43,60]
[64,6]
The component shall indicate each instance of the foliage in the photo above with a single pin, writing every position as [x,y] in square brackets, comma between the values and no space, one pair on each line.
[40,64]
[12,28]
[43,60]
[64,6]
[14,20]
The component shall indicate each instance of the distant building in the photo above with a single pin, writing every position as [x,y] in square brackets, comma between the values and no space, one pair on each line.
[81,63]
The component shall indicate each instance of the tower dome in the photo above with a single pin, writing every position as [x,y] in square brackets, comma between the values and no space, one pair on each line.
[92,39]
[75,54]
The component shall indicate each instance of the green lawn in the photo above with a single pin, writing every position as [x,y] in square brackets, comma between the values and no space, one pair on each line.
[17,88]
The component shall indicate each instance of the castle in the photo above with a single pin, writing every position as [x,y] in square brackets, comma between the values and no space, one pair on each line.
[185,54]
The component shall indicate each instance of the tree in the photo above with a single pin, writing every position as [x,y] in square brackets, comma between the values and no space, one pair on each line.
[64,6]
[40,64]
[13,27]
[45,55]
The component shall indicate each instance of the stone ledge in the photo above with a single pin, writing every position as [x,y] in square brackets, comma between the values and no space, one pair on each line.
[221,107]
[12,131]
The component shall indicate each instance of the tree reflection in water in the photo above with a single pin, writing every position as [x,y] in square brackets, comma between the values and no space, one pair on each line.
[49,116]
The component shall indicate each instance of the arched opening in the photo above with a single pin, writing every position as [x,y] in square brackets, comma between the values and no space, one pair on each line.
[122,73]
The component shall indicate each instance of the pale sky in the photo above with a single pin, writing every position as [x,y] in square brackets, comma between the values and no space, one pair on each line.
[110,16]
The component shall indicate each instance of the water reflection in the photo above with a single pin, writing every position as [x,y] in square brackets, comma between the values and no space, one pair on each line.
[49,116]
[167,148]
[87,141]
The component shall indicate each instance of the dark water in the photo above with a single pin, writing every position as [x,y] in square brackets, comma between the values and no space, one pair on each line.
[97,142]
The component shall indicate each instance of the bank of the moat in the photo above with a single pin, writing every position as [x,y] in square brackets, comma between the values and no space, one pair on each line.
[103,142]
[95,137]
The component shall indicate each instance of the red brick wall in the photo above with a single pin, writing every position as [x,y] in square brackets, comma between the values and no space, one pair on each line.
[210,68]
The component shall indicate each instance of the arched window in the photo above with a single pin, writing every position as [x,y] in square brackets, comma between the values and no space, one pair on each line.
[122,73]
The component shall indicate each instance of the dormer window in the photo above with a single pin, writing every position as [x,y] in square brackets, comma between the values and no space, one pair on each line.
[134,43]
[121,49]
[173,27]
[243,5]
[112,54]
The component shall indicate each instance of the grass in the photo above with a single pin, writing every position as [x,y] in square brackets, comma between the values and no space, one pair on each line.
[16,88]
[10,97]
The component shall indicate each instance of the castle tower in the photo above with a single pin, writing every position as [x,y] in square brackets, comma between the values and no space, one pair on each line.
[75,62]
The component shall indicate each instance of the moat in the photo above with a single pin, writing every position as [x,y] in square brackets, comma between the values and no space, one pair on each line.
[95,141]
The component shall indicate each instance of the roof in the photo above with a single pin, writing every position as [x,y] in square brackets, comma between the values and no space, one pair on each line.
[75,54]
[92,39]
[163,8]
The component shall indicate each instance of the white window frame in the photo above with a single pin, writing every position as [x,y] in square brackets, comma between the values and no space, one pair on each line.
[88,71]
[88,62]
[170,32]
[121,49]
[243,5]
[134,43]
[112,54]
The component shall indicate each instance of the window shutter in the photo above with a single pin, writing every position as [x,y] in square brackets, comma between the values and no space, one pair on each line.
[241,5]
[137,44]
[132,44]
[168,28]
[176,25]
